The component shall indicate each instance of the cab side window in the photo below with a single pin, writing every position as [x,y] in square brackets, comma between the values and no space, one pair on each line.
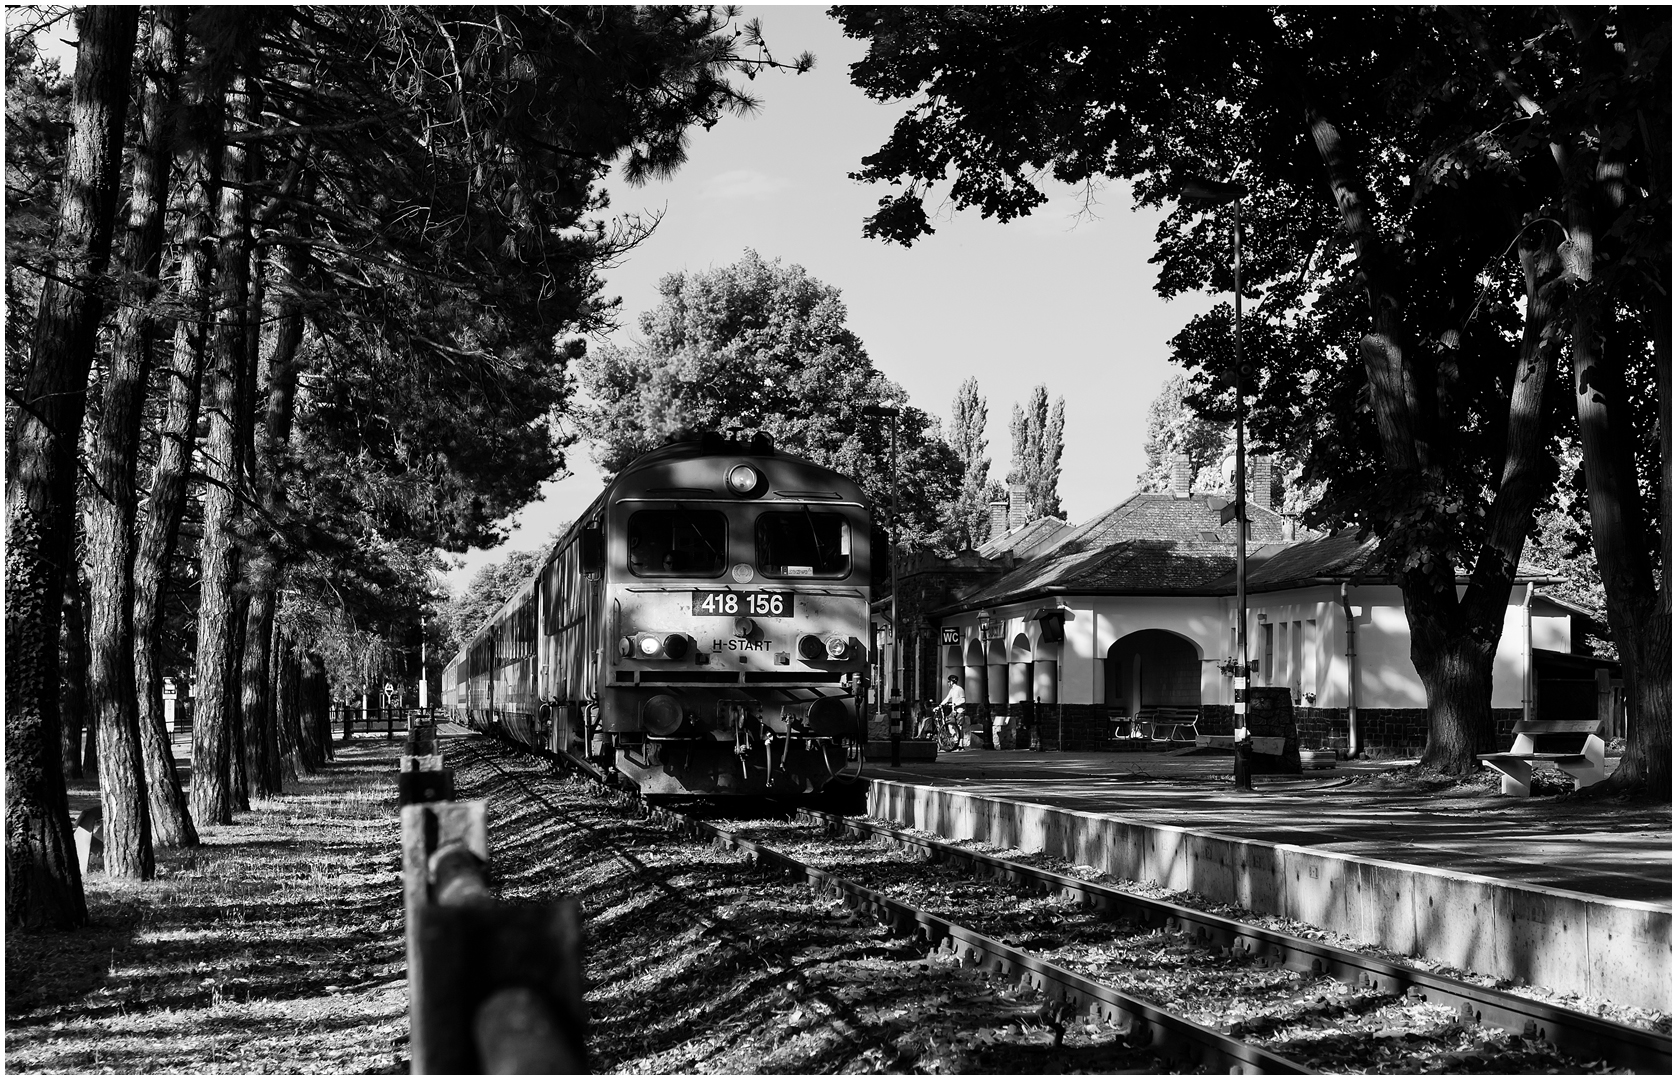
[677,543]
[803,543]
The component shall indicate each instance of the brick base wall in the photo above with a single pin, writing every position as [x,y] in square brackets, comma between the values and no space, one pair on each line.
[1386,733]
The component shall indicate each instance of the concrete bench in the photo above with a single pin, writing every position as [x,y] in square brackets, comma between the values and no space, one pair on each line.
[1575,746]
[90,838]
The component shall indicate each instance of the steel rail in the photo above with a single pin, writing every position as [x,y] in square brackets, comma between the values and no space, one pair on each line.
[1580,1034]
[1175,1038]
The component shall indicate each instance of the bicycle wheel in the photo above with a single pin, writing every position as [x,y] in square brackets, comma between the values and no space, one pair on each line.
[949,736]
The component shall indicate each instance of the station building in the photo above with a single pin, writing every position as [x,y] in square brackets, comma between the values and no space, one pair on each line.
[1073,629]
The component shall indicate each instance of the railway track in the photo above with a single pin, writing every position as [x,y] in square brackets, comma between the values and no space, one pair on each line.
[1578,1034]
[1179,1042]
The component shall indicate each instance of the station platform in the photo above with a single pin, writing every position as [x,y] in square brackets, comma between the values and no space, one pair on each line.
[1570,894]
[1601,849]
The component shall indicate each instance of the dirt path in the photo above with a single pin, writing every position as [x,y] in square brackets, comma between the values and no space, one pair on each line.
[274,947]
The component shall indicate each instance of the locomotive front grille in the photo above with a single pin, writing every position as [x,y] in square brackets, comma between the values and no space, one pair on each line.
[729,678]
[794,677]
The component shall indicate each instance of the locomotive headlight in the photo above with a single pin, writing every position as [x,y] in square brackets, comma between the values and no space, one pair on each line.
[648,646]
[838,646]
[742,479]
[811,647]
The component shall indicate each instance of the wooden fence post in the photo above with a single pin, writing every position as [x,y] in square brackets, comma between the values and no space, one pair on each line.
[491,988]
[423,780]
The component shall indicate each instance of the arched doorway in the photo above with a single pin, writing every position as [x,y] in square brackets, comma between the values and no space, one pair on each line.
[1152,669]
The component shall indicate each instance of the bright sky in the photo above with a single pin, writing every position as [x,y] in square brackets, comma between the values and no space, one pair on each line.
[1054,298]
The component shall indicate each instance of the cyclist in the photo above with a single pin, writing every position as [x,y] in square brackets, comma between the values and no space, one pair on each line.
[953,709]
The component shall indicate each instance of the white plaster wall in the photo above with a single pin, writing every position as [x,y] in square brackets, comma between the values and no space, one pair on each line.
[1551,627]
[1386,677]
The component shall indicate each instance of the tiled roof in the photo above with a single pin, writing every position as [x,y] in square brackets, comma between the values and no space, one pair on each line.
[1025,540]
[1159,515]
[1137,567]
[1338,557]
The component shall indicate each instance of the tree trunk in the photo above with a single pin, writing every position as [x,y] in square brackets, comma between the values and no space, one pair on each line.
[1455,670]
[319,696]
[308,719]
[1446,632]
[214,733]
[160,528]
[72,678]
[1638,609]
[43,881]
[111,505]
[254,693]
[286,708]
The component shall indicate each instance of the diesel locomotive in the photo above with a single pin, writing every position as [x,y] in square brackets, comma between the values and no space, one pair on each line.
[702,629]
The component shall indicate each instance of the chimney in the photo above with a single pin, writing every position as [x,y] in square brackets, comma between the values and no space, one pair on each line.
[1015,507]
[998,519]
[1181,475]
[1257,481]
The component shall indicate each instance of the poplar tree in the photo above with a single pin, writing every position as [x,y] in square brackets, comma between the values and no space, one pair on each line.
[971,513]
[1038,441]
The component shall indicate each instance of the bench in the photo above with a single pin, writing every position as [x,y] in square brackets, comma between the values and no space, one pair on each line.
[1165,724]
[1575,746]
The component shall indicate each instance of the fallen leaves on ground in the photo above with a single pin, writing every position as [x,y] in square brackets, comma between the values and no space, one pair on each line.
[274,947]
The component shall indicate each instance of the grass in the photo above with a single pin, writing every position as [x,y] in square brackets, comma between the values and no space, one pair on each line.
[275,946]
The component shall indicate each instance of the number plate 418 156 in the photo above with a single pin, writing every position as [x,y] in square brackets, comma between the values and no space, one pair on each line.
[758,605]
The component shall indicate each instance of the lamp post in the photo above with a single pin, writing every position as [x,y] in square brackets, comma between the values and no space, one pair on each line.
[1212,193]
[894,708]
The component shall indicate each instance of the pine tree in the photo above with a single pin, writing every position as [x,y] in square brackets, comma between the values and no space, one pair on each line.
[971,513]
[43,881]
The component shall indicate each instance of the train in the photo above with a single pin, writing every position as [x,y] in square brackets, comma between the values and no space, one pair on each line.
[700,630]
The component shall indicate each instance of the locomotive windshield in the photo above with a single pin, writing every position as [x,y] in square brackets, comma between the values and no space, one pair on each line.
[677,543]
[803,544]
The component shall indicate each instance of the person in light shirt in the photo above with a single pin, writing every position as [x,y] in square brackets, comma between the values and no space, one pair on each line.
[957,697]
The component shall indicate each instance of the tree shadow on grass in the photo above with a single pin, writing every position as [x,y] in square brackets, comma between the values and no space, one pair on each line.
[247,935]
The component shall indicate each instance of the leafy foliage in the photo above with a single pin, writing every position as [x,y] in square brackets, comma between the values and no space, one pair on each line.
[461,616]
[1416,243]
[1173,428]
[37,131]
[763,346]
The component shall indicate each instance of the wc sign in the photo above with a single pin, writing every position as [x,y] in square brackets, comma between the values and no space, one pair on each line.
[951,635]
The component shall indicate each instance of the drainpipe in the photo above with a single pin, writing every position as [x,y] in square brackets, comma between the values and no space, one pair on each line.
[1526,687]
[1350,671]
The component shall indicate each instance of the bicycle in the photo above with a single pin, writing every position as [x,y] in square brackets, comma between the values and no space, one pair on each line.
[946,724]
